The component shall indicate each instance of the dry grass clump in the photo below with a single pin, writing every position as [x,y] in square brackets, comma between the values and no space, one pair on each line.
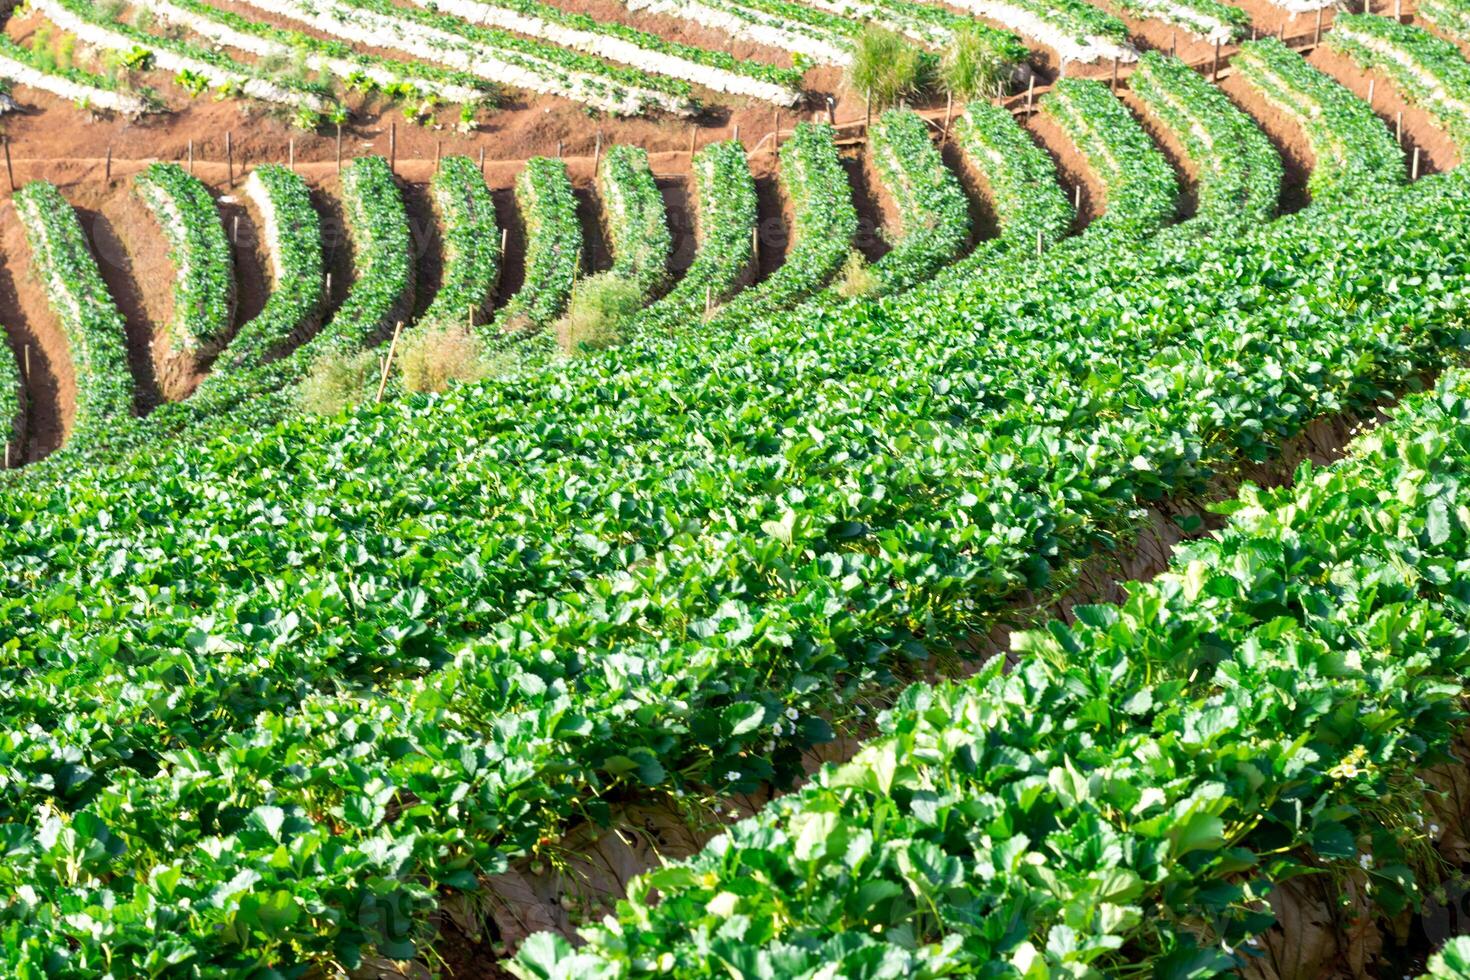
[600,308]
[429,360]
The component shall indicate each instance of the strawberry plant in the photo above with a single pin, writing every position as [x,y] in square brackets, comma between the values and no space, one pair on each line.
[204,270]
[1428,70]
[553,247]
[471,246]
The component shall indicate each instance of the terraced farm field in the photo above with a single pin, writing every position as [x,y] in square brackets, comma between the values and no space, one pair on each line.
[734,488]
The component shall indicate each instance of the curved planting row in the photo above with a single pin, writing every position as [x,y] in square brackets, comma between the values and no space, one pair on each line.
[735,573]
[553,246]
[21,66]
[1429,71]
[498,55]
[930,25]
[292,234]
[933,213]
[1238,171]
[1209,20]
[94,330]
[1113,802]
[382,260]
[822,230]
[197,67]
[204,269]
[718,71]
[725,221]
[471,246]
[13,400]
[227,28]
[1076,30]
[633,214]
[822,37]
[1138,183]
[1449,17]
[1355,157]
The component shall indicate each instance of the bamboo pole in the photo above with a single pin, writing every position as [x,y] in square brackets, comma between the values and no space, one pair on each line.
[235,230]
[1414,172]
[388,361]
[1398,127]
[339,148]
[393,147]
[191,158]
[438,154]
[291,150]
[1215,68]
[1371,83]
[10,169]
[230,158]
[693,140]
[948,111]
[1317,32]
[482,162]
[1113,85]
[1030,94]
[106,168]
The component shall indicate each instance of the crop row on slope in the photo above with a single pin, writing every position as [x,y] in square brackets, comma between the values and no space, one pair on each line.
[823,225]
[933,214]
[553,246]
[93,327]
[725,202]
[718,71]
[1355,157]
[1245,172]
[195,65]
[1210,20]
[1428,70]
[382,259]
[1141,190]
[13,401]
[802,30]
[1449,17]
[292,235]
[1150,767]
[471,244]
[229,29]
[1076,30]
[654,507]
[21,66]
[633,215]
[932,26]
[515,61]
[204,270]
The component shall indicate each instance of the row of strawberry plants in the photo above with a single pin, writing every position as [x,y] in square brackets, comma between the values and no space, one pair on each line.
[725,222]
[263,40]
[471,244]
[933,213]
[197,67]
[291,232]
[1428,70]
[1210,20]
[512,60]
[553,247]
[1449,17]
[1076,30]
[1238,171]
[823,225]
[729,675]
[13,402]
[204,269]
[1139,185]
[932,26]
[633,214]
[21,66]
[781,24]
[95,334]
[382,259]
[1354,155]
[1259,711]
[718,71]
[775,409]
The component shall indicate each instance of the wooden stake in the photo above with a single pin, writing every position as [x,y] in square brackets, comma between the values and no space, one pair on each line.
[1113,85]
[867,114]
[1173,44]
[28,363]
[291,151]
[1077,199]
[482,162]
[1030,93]
[230,158]
[693,139]
[10,170]
[438,154]
[1414,172]
[328,287]
[106,169]
[1398,127]
[755,244]
[558,149]
[235,230]
[1215,69]
[831,111]
[735,134]
[393,146]
[597,153]
[191,158]
[1038,242]
[388,361]
[504,241]
[339,148]
[1317,31]
[1398,10]
[1371,83]
[948,110]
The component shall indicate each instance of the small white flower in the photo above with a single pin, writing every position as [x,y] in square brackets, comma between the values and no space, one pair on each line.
[770,747]
[1252,941]
[732,776]
[776,728]
[1434,830]
[1365,861]
[792,713]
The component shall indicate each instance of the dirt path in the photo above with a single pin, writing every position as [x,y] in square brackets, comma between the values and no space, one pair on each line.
[36,338]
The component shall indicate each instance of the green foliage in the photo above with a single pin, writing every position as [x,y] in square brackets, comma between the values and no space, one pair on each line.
[1430,71]
[599,309]
[431,357]
[1452,962]
[337,380]
[471,245]
[977,65]
[633,215]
